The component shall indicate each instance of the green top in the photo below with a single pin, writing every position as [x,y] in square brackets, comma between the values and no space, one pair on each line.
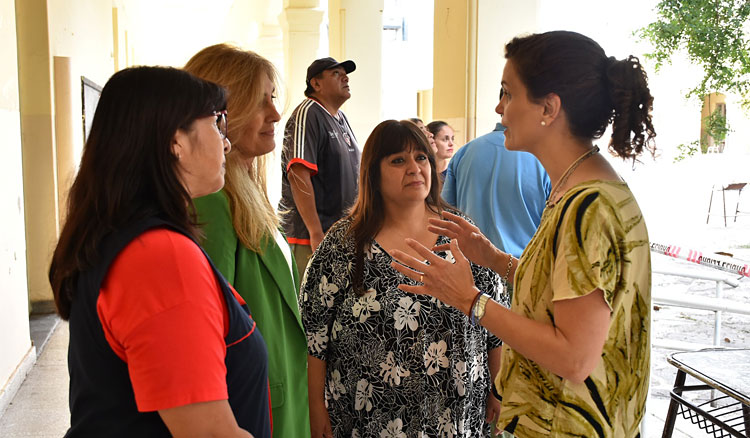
[268,285]
[594,237]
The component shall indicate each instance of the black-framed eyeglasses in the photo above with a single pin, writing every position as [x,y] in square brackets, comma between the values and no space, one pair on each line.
[221,122]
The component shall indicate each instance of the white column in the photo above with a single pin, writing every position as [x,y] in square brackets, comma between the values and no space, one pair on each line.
[271,45]
[271,36]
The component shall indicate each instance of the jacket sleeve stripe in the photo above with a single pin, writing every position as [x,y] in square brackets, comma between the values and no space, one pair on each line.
[300,124]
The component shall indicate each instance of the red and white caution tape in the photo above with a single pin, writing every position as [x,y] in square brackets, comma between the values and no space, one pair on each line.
[726,264]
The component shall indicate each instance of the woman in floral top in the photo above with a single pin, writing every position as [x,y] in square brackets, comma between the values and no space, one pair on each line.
[387,363]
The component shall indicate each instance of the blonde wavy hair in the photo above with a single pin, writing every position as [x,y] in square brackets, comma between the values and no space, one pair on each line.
[241,72]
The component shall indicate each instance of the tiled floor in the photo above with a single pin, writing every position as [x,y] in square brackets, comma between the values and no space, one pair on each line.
[40,408]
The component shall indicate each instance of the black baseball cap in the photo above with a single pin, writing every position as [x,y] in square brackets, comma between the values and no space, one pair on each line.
[322,64]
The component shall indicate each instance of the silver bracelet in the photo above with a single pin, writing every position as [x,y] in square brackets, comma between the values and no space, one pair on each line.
[507,270]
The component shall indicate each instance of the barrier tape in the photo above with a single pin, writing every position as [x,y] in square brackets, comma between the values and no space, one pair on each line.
[725,264]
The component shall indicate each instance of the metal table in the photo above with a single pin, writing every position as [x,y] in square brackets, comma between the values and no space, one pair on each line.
[721,405]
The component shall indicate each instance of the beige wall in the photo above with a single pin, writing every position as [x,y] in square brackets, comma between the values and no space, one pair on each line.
[15,341]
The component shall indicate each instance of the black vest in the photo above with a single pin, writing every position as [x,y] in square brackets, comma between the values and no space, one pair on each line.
[102,403]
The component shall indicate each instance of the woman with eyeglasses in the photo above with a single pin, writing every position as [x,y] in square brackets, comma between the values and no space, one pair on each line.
[241,229]
[575,358]
[160,344]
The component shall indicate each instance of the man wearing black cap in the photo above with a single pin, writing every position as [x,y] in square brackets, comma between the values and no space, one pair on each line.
[320,159]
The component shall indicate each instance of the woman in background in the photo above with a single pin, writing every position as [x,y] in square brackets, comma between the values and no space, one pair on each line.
[444,144]
[430,138]
[576,356]
[160,344]
[241,229]
[383,362]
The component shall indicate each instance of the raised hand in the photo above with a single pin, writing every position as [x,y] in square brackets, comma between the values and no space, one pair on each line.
[475,246]
[451,283]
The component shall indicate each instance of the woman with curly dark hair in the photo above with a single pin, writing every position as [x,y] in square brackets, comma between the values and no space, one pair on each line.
[575,359]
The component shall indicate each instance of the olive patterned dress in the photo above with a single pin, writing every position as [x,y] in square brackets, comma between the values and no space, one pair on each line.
[594,237]
[398,365]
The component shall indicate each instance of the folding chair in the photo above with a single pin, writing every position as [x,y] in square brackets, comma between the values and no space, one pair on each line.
[729,187]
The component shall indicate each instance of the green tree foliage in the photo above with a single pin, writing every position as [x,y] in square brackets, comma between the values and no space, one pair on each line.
[712,33]
[717,126]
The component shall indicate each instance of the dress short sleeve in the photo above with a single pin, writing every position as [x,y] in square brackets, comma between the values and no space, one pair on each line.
[588,247]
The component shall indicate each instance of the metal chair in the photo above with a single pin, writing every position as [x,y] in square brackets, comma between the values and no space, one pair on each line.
[729,187]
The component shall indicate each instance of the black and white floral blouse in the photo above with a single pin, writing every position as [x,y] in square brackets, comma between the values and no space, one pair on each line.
[398,365]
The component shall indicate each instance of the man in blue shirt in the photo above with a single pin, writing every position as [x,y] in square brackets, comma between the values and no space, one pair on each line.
[502,191]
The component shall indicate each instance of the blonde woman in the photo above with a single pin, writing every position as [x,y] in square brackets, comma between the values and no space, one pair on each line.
[241,229]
